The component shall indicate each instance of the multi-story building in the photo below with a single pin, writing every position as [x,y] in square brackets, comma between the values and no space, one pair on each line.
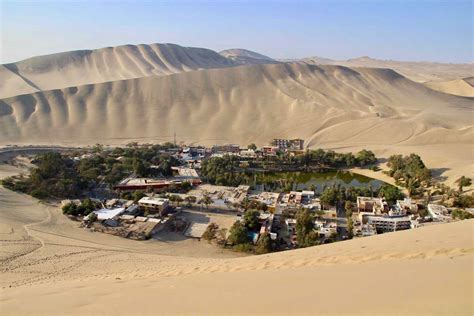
[154,204]
[385,224]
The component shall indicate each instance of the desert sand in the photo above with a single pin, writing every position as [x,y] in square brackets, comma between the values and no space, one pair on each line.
[50,266]
[328,106]
[416,71]
[463,87]
[82,67]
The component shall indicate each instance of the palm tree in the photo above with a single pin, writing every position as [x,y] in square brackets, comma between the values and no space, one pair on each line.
[412,184]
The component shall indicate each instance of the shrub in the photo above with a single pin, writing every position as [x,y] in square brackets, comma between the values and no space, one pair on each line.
[210,232]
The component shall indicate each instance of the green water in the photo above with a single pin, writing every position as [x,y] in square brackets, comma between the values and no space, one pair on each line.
[304,180]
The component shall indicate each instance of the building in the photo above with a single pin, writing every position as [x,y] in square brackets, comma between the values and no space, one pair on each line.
[371,206]
[407,206]
[106,213]
[154,204]
[385,224]
[133,184]
[438,212]
[325,228]
[270,199]
[270,150]
[288,144]
[227,148]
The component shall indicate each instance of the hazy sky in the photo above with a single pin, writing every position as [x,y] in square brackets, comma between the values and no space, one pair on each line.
[402,30]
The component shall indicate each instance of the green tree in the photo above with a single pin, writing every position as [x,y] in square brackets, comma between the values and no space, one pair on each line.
[348,207]
[238,234]
[390,193]
[92,218]
[350,227]
[304,225]
[206,199]
[366,157]
[463,182]
[264,244]
[251,219]
[252,146]
[139,167]
[190,199]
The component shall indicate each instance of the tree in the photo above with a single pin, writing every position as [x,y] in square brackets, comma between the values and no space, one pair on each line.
[92,218]
[390,193]
[264,244]
[366,157]
[304,225]
[238,234]
[251,219]
[210,232]
[348,208]
[463,182]
[139,167]
[137,195]
[252,146]
[190,199]
[350,227]
[206,199]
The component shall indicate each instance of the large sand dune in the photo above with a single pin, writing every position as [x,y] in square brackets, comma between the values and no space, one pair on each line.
[106,64]
[416,71]
[462,87]
[328,106]
[50,266]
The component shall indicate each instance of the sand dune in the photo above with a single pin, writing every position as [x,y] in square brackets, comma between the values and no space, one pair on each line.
[51,266]
[328,106]
[106,64]
[416,71]
[462,87]
[247,57]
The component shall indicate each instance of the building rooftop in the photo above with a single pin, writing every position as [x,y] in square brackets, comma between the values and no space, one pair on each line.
[106,213]
[153,201]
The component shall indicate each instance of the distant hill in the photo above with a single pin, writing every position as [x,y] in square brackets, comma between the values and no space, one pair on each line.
[247,57]
[417,71]
[463,87]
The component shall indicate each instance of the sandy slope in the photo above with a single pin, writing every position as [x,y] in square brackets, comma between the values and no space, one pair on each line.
[106,64]
[461,87]
[246,57]
[50,266]
[417,71]
[328,106]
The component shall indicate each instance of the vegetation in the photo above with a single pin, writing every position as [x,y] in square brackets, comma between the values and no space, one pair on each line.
[390,193]
[409,171]
[463,182]
[211,232]
[238,234]
[264,244]
[462,200]
[59,176]
[229,171]
[251,219]
[335,194]
[85,208]
[461,214]
[55,176]
[305,234]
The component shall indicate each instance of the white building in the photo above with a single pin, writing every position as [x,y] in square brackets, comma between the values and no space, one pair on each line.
[407,205]
[388,223]
[154,203]
[438,212]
